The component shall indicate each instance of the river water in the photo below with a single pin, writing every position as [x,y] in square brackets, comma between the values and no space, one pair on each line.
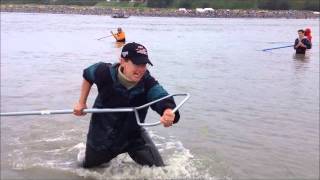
[252,114]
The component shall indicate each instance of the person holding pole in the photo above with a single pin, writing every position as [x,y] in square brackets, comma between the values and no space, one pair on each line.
[124,84]
[120,36]
[301,43]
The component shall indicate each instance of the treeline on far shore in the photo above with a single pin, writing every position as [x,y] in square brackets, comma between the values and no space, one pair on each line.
[312,5]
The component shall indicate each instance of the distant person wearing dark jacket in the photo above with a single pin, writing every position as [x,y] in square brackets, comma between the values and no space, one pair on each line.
[301,44]
[124,84]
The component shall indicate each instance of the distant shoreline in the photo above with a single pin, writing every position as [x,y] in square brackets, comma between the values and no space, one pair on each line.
[217,13]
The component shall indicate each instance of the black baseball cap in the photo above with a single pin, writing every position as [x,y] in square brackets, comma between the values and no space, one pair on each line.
[137,53]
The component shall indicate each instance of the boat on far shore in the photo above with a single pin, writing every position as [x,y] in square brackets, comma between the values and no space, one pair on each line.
[119,15]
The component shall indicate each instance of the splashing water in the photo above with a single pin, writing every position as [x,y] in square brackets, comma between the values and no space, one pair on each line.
[180,163]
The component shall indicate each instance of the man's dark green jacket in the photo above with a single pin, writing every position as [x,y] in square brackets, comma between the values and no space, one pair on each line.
[113,131]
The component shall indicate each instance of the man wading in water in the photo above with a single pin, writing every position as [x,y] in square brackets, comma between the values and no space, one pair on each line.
[124,84]
[301,44]
[120,36]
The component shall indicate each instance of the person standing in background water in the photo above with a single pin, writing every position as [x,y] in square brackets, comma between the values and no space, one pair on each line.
[301,43]
[120,36]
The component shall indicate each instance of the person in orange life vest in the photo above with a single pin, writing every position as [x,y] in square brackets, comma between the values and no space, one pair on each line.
[301,43]
[308,35]
[120,36]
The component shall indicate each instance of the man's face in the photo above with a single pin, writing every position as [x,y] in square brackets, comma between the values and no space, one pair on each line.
[132,71]
[301,34]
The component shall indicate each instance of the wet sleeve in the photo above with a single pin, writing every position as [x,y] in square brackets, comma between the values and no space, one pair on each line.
[295,43]
[89,73]
[156,91]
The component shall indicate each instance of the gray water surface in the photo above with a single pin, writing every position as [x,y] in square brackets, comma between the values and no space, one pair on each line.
[252,114]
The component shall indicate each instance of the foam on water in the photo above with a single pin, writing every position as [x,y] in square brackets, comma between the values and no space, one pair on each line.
[180,163]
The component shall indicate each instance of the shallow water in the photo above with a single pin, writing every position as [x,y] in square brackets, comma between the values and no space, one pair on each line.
[252,114]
